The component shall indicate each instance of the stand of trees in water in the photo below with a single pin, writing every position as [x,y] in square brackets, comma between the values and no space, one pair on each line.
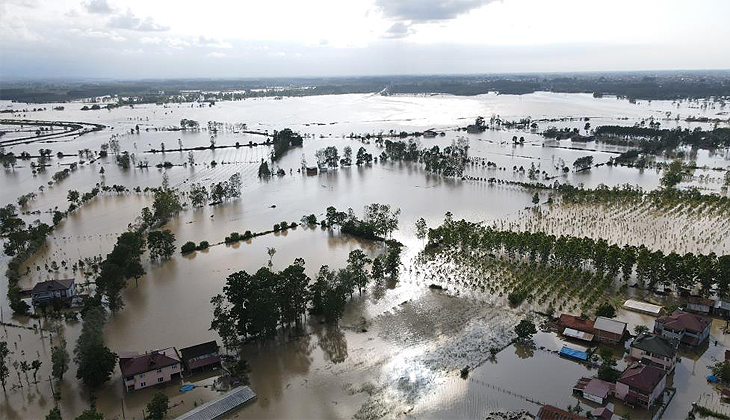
[708,273]
[449,161]
[655,140]
[255,305]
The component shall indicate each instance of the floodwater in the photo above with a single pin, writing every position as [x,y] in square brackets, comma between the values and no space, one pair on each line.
[398,350]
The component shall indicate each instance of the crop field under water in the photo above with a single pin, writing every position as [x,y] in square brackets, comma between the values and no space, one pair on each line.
[400,346]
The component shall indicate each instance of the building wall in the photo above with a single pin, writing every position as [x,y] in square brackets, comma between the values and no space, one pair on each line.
[621,390]
[152,377]
[667,363]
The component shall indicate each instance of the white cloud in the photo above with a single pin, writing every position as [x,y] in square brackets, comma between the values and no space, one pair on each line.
[92,33]
[99,7]
[151,40]
[203,41]
[177,43]
[215,54]
[128,20]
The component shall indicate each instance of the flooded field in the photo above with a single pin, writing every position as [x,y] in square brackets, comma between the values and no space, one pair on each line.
[399,347]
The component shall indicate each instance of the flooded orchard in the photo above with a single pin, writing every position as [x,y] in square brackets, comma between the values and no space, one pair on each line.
[400,347]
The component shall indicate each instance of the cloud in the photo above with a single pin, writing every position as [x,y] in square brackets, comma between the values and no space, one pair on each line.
[129,21]
[91,33]
[215,54]
[151,40]
[398,30]
[427,10]
[99,7]
[177,43]
[203,41]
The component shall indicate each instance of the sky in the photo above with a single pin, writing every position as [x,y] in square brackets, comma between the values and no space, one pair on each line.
[132,39]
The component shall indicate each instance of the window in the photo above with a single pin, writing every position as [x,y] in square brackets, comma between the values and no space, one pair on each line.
[141,375]
[142,384]
[159,370]
[160,379]
[173,367]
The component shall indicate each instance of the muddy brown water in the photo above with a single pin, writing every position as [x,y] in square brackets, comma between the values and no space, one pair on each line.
[406,363]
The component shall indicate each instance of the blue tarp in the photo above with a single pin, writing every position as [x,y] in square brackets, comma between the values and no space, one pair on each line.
[186,388]
[573,353]
[713,379]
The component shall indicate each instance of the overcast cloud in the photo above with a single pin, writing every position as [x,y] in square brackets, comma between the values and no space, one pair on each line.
[186,38]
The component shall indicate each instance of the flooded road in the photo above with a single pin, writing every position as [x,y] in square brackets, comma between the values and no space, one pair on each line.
[398,350]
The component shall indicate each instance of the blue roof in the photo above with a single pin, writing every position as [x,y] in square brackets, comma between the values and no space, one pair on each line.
[575,354]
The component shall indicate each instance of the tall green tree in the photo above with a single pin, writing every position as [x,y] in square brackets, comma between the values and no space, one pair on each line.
[59,360]
[4,369]
[161,244]
[356,262]
[95,362]
[157,408]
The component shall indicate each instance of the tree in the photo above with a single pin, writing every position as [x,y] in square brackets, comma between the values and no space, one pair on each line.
[54,414]
[607,370]
[291,292]
[536,199]
[157,408]
[382,219]
[188,247]
[271,251]
[673,174]
[421,228]
[525,329]
[356,262]
[35,366]
[59,360]
[95,362]
[73,196]
[166,204]
[392,259]
[4,369]
[161,244]
[264,171]
[90,414]
[376,271]
[606,310]
[198,195]
[347,156]
[722,371]
[583,163]
[641,329]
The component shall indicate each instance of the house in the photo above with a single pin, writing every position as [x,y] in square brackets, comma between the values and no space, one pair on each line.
[609,331]
[46,291]
[201,356]
[574,323]
[311,170]
[594,389]
[641,385]
[603,413]
[700,305]
[655,350]
[152,368]
[687,328]
[549,412]
[429,134]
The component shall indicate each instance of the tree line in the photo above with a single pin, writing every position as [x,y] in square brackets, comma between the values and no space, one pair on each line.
[709,272]
[654,140]
[255,305]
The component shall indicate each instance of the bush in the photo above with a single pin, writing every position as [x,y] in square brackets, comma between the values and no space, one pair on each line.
[203,245]
[516,297]
[525,329]
[188,247]
[606,310]
[247,235]
[277,227]
[284,225]
[233,237]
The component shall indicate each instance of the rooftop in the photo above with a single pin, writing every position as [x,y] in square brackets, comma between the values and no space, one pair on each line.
[656,344]
[610,325]
[642,377]
[131,364]
[684,321]
[53,285]
[576,323]
[549,412]
[198,350]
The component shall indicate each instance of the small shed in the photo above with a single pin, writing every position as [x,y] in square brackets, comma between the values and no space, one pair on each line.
[700,305]
[607,330]
[578,335]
